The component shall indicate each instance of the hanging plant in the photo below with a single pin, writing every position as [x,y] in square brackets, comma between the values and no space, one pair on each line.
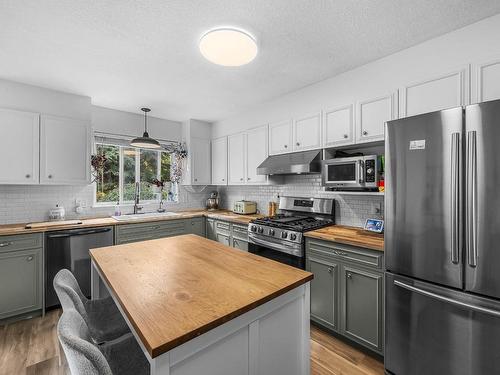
[179,154]
[97,163]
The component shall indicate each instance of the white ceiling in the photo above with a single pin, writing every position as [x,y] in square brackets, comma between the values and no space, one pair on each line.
[126,54]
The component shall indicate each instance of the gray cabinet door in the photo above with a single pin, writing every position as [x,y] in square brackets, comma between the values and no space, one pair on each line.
[324,292]
[361,318]
[20,282]
[196,226]
[210,231]
[240,244]
[222,238]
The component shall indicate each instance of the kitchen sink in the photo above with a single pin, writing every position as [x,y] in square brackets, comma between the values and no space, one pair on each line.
[146,215]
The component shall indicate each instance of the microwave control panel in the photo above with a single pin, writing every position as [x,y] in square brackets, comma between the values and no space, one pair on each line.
[370,170]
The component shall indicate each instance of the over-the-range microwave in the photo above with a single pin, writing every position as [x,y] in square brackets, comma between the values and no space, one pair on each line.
[353,173]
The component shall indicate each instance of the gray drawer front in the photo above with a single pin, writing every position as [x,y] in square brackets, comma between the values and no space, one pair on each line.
[240,232]
[223,227]
[346,253]
[149,231]
[21,242]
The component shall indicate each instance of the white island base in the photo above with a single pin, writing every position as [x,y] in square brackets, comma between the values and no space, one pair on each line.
[272,339]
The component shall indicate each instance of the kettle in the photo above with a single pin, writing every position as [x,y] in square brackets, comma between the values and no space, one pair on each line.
[213,201]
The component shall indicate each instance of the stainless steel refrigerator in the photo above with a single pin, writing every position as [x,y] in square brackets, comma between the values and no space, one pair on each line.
[442,242]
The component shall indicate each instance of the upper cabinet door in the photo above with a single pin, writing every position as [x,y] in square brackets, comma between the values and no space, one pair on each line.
[338,126]
[486,81]
[200,160]
[20,149]
[219,161]
[307,132]
[280,137]
[64,151]
[256,150]
[372,115]
[446,91]
[236,159]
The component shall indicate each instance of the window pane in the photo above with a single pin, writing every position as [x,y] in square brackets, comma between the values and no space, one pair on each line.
[129,173]
[149,171]
[108,181]
[165,167]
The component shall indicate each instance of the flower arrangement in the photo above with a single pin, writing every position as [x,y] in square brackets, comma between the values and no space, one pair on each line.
[97,163]
[179,154]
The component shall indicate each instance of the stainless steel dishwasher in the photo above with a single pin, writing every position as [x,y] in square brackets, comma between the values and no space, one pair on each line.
[70,249]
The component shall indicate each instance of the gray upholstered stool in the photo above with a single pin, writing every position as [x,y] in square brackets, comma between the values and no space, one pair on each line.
[102,316]
[121,356]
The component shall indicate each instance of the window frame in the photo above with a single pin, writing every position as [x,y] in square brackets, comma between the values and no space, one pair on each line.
[137,166]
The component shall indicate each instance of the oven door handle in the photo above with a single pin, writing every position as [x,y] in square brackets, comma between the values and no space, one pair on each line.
[275,246]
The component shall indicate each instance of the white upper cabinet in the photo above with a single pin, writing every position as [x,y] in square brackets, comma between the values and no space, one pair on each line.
[236,159]
[486,81]
[256,151]
[200,162]
[372,115]
[219,161]
[19,163]
[445,91]
[338,126]
[280,137]
[307,132]
[64,151]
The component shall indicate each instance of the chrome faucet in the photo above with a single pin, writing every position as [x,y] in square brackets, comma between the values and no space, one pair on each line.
[136,198]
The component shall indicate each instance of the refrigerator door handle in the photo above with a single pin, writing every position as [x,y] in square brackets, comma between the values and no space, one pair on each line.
[455,197]
[441,298]
[471,199]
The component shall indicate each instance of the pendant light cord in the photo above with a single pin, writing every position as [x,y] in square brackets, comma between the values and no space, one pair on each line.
[145,121]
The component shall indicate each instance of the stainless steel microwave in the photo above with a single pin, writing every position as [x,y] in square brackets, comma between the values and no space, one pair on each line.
[354,173]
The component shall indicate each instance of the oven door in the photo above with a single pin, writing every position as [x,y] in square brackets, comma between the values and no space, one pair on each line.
[266,251]
[345,172]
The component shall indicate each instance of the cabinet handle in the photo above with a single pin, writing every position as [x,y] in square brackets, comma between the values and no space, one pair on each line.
[346,136]
[349,275]
[196,179]
[298,143]
[4,244]
[286,146]
[222,179]
[29,259]
[49,176]
[330,269]
[365,132]
[248,178]
[241,179]
[28,175]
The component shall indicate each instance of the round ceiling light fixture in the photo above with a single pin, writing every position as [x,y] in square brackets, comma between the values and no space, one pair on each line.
[228,46]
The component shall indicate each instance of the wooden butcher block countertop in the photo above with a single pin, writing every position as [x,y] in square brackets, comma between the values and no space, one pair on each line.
[175,289]
[12,229]
[350,236]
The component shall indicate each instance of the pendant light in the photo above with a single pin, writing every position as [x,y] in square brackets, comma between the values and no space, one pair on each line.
[145,141]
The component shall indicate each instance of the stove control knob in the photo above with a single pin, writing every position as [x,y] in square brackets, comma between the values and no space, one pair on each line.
[271,232]
[253,228]
[293,236]
[284,234]
[260,230]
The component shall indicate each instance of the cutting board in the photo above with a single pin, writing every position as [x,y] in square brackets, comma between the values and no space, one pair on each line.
[49,224]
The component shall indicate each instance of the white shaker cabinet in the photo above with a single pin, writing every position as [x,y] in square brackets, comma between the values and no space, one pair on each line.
[219,161]
[338,126]
[256,153]
[64,151]
[236,159]
[486,81]
[19,131]
[372,115]
[444,91]
[307,132]
[200,162]
[280,137]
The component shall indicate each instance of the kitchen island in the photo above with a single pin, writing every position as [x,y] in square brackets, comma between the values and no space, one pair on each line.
[196,306]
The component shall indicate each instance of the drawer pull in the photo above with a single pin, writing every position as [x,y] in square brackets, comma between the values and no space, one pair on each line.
[330,269]
[30,258]
[4,244]
[349,275]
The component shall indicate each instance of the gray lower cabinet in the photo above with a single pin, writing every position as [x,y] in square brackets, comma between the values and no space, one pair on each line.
[196,226]
[128,233]
[210,231]
[347,291]
[230,234]
[240,244]
[21,274]
[224,239]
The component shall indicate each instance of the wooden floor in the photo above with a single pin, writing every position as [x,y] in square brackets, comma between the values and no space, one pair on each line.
[30,347]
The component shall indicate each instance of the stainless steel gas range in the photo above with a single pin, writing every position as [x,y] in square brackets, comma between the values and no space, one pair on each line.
[281,237]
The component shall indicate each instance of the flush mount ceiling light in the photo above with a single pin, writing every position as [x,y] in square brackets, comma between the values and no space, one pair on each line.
[228,46]
[145,141]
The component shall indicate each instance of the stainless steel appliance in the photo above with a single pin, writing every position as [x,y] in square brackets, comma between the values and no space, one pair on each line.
[70,249]
[245,207]
[353,173]
[441,242]
[281,237]
[306,162]
[213,201]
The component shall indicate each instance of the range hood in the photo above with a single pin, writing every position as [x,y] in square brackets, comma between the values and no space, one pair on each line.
[306,162]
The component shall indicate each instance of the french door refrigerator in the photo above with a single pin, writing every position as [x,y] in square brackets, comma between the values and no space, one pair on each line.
[442,242]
